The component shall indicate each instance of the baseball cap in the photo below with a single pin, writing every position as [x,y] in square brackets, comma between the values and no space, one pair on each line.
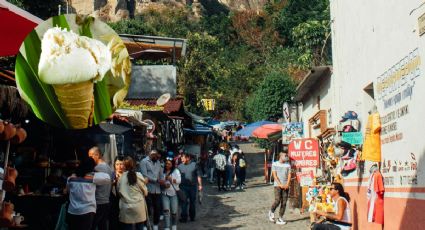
[349,115]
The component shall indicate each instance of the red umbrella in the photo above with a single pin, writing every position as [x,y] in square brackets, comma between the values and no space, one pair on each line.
[15,24]
[264,130]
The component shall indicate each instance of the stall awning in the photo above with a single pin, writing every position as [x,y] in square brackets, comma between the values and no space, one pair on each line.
[154,48]
[199,130]
[149,105]
[276,136]
[198,119]
[15,25]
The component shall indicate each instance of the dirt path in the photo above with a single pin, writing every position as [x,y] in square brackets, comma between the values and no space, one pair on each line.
[246,209]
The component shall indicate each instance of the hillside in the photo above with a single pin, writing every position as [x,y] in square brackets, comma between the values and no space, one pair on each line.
[114,10]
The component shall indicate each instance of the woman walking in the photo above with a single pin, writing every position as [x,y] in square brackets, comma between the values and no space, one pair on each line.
[169,194]
[240,170]
[114,214]
[132,190]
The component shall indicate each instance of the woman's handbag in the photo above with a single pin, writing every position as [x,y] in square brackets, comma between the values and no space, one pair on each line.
[180,194]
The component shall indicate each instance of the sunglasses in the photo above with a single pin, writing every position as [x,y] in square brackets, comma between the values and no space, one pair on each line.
[169,158]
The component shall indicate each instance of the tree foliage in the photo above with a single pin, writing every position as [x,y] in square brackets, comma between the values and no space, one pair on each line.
[41,8]
[249,62]
[266,102]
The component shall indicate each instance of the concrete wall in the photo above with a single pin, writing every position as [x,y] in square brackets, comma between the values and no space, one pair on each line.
[323,90]
[151,81]
[378,42]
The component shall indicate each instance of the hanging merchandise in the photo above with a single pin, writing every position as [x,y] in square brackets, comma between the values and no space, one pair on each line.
[372,143]
[375,196]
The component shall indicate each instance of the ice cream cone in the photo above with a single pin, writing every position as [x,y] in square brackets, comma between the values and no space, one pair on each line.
[77,102]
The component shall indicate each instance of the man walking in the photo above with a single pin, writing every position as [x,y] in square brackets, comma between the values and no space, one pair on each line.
[151,169]
[282,177]
[220,166]
[191,182]
[100,221]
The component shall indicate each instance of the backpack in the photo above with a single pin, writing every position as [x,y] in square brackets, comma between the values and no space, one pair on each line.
[220,162]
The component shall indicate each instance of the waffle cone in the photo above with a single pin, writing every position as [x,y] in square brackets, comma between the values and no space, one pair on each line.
[77,102]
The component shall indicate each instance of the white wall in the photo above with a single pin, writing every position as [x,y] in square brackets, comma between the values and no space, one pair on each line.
[323,89]
[369,38]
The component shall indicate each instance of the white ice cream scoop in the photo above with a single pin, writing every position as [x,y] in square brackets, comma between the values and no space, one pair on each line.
[68,58]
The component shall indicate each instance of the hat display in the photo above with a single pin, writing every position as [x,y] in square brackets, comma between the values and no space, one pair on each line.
[348,128]
[350,115]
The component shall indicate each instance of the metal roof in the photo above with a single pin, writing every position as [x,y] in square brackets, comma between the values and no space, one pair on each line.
[316,74]
[153,47]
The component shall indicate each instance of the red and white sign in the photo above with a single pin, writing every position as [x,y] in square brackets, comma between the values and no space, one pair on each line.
[304,153]
[305,178]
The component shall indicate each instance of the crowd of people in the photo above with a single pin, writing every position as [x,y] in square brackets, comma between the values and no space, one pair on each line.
[138,195]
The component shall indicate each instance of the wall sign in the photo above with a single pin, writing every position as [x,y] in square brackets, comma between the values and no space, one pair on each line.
[354,138]
[304,153]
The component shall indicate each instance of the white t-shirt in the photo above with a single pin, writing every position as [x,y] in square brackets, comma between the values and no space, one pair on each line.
[172,191]
[282,171]
[82,193]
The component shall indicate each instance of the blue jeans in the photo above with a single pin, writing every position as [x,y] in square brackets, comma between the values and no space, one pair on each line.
[230,174]
[170,205]
[190,192]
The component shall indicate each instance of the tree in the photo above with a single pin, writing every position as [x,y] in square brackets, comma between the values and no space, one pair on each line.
[134,26]
[40,8]
[199,70]
[296,12]
[266,102]
[311,39]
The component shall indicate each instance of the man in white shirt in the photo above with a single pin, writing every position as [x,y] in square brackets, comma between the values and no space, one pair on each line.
[281,171]
[102,191]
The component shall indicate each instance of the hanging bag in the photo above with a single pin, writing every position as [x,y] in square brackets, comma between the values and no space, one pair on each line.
[180,194]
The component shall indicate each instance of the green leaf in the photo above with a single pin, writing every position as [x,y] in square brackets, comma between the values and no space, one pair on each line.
[102,105]
[102,102]
[60,21]
[85,27]
[39,96]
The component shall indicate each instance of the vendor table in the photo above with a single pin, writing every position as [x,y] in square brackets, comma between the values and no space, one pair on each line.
[39,211]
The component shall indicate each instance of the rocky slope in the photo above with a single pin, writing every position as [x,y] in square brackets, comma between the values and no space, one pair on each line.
[114,10]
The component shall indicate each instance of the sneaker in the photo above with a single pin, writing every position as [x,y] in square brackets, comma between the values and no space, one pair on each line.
[280,221]
[271,216]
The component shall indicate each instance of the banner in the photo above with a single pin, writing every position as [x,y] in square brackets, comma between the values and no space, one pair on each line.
[305,178]
[291,130]
[304,153]
[354,138]
[209,104]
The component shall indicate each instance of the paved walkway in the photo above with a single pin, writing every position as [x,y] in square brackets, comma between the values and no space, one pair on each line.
[245,209]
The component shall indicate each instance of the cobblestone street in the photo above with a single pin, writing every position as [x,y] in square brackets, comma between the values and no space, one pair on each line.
[245,209]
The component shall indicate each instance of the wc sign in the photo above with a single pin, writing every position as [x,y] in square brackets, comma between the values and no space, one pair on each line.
[304,153]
